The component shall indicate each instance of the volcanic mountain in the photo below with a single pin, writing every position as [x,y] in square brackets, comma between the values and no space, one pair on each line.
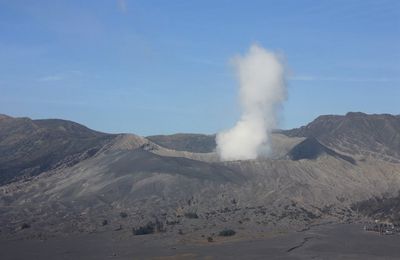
[356,134]
[61,177]
[30,147]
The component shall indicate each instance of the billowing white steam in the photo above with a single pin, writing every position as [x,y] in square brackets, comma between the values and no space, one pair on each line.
[261,76]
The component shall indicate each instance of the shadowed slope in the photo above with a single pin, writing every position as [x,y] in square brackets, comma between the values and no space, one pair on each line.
[356,134]
[29,147]
[311,149]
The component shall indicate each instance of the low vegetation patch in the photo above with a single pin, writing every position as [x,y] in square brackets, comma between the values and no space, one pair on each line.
[227,233]
[25,225]
[144,230]
[191,215]
[149,228]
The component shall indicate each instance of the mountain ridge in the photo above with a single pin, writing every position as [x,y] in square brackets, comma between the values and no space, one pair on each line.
[65,177]
[356,134]
[29,147]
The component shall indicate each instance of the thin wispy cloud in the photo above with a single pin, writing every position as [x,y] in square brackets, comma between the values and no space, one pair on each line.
[51,78]
[122,6]
[342,79]
[60,76]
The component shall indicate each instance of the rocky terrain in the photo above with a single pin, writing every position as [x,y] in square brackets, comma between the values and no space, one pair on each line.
[59,178]
[196,143]
[356,134]
[30,147]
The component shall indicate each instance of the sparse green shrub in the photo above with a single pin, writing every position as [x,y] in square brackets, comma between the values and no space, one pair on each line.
[149,228]
[172,222]
[191,215]
[227,233]
[210,239]
[25,225]
[104,222]
[159,226]
[144,230]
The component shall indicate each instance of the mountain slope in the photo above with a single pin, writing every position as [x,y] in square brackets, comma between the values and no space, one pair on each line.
[206,144]
[130,181]
[356,134]
[149,187]
[196,143]
[385,208]
[29,147]
[311,149]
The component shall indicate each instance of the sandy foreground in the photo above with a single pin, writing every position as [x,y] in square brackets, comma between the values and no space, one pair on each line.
[333,241]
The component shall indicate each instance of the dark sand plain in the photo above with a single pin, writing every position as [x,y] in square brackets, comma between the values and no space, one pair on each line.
[331,241]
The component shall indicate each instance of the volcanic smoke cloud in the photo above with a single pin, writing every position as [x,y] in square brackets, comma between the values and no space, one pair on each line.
[261,75]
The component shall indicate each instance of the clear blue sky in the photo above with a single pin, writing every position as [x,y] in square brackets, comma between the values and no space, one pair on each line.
[151,67]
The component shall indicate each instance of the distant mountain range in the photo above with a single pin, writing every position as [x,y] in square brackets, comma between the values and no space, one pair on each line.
[60,176]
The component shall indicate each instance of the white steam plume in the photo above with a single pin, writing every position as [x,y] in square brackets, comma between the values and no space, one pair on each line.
[261,76]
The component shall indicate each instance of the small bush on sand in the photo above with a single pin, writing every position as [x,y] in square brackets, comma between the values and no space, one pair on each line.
[144,230]
[150,228]
[25,225]
[191,215]
[227,233]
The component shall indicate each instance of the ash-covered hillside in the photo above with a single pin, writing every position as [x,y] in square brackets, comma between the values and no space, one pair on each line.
[30,147]
[196,143]
[59,177]
[356,134]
